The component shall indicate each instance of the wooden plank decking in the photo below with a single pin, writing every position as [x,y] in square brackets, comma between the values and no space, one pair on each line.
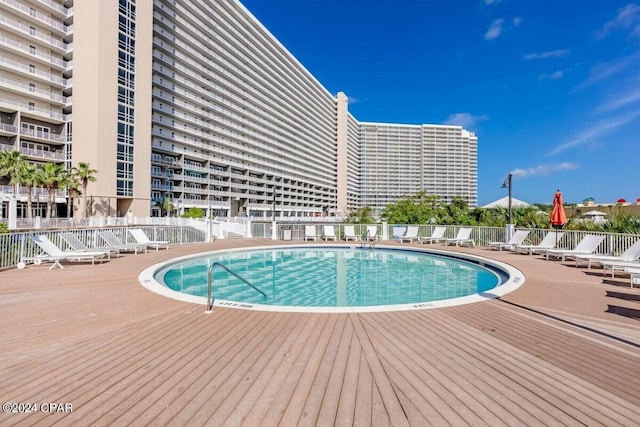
[564,349]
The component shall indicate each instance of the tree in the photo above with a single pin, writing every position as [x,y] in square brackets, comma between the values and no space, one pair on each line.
[11,164]
[166,206]
[72,184]
[28,176]
[193,213]
[419,208]
[85,174]
[53,175]
[361,216]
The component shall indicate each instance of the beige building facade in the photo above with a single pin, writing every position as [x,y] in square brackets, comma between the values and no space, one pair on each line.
[193,103]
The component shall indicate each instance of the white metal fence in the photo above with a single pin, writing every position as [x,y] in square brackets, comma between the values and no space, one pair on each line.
[16,246]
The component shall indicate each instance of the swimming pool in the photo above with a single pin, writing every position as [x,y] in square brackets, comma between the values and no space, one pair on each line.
[334,278]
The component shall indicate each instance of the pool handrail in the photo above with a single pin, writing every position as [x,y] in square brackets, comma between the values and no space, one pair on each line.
[210,283]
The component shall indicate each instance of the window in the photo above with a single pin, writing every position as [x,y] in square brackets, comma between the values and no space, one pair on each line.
[32,31]
[32,68]
[32,50]
[32,105]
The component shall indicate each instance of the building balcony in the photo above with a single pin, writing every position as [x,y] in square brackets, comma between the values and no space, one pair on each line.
[54,26]
[18,67]
[56,8]
[8,130]
[25,50]
[23,89]
[57,156]
[24,30]
[43,136]
[34,112]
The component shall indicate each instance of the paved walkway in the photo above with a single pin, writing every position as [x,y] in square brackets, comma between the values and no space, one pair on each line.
[564,349]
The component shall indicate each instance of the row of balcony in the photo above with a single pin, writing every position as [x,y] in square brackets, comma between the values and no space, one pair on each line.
[57,26]
[22,48]
[42,75]
[35,191]
[34,91]
[263,178]
[54,43]
[33,110]
[56,156]
[242,161]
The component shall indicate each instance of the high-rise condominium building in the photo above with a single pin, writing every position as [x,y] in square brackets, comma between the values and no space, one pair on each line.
[196,103]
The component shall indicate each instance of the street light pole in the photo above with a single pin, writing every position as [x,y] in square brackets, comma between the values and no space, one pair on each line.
[507,184]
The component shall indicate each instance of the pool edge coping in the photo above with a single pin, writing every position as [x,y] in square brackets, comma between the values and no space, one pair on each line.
[516,279]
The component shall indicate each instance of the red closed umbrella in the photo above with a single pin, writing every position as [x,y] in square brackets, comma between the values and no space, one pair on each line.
[558,216]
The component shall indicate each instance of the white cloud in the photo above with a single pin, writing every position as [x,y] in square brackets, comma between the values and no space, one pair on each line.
[627,19]
[619,101]
[544,169]
[553,76]
[595,131]
[605,70]
[491,2]
[465,120]
[495,29]
[558,53]
[517,21]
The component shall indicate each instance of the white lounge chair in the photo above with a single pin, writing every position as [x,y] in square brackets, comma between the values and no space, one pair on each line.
[77,245]
[410,235]
[141,237]
[549,241]
[398,231]
[587,245]
[114,242]
[516,239]
[350,233]
[372,232]
[310,233]
[436,235]
[329,233]
[618,266]
[463,236]
[634,275]
[53,253]
[631,255]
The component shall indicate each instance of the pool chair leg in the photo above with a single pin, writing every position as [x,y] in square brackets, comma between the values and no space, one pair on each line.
[56,263]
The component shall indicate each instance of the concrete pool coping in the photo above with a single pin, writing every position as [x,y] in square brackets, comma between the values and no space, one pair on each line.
[515,279]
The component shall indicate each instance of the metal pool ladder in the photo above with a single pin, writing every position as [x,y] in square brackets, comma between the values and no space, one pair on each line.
[367,241]
[210,283]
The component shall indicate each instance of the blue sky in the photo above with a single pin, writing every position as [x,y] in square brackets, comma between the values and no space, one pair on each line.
[551,88]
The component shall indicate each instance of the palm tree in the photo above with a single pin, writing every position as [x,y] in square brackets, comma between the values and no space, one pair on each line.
[53,175]
[84,173]
[165,205]
[72,184]
[11,162]
[28,175]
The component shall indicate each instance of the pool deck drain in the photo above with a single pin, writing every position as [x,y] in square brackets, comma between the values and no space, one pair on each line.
[563,349]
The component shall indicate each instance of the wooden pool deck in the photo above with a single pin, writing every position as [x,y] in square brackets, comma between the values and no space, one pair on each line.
[563,349]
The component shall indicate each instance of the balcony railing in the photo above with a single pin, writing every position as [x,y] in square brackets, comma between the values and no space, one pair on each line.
[49,155]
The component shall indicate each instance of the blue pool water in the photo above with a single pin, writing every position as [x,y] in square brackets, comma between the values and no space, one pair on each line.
[330,277]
